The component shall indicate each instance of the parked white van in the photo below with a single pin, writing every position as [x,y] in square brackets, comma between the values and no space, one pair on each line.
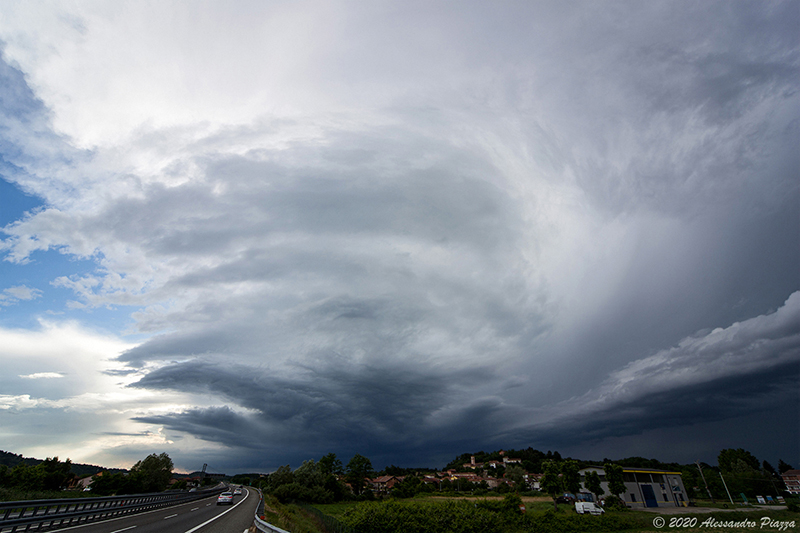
[588,507]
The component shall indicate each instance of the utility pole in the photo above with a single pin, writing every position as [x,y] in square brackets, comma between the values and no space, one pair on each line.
[726,489]
[700,468]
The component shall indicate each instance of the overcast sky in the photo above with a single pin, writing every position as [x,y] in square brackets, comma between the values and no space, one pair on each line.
[251,233]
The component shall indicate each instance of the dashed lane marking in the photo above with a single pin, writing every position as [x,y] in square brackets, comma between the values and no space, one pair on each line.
[219,515]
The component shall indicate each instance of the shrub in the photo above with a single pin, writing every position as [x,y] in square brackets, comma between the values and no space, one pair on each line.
[295,492]
[422,517]
[615,503]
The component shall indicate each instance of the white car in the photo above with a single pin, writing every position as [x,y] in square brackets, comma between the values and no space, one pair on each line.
[237,491]
[225,497]
[588,507]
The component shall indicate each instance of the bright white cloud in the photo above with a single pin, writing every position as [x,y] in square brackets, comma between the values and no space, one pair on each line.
[91,395]
[13,295]
[43,375]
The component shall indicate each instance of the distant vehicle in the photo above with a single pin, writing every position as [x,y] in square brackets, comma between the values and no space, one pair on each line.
[588,507]
[237,491]
[225,497]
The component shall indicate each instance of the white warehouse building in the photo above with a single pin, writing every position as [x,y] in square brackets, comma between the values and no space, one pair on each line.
[644,487]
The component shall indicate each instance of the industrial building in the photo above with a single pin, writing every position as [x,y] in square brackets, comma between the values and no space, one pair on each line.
[644,487]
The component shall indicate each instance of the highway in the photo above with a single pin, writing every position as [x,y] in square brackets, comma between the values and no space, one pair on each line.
[201,516]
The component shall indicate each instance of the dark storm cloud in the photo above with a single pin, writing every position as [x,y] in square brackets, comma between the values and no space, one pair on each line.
[554,226]
[335,401]
[772,389]
[217,424]
[749,367]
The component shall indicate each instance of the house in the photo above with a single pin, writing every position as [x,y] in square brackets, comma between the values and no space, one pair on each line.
[472,464]
[508,460]
[384,484]
[492,464]
[533,481]
[791,479]
[644,487]
[82,483]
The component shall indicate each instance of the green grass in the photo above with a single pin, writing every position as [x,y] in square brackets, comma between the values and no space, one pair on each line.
[335,510]
[289,517]
[540,517]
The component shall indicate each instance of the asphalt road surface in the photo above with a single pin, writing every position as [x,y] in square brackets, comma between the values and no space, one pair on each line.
[201,516]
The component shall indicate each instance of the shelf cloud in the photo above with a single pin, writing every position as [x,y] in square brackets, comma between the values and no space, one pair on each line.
[401,230]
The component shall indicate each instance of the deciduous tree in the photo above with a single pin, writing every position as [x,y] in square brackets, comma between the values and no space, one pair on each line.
[551,482]
[593,484]
[359,468]
[615,479]
[329,464]
[153,472]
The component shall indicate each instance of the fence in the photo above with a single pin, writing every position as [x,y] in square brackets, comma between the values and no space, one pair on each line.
[45,515]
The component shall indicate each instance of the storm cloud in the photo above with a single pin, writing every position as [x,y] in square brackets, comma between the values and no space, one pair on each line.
[406,230]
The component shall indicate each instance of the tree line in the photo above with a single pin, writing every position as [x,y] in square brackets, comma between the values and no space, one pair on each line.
[328,480]
[151,474]
[48,475]
[323,481]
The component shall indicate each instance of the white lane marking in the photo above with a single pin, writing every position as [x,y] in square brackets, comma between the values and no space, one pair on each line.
[170,516]
[219,515]
[123,529]
[129,516]
[196,508]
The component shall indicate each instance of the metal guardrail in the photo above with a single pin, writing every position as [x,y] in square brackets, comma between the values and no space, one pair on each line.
[261,525]
[266,527]
[46,515]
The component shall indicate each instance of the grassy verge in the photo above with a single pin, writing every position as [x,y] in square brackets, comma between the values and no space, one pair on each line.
[290,517]
[462,515]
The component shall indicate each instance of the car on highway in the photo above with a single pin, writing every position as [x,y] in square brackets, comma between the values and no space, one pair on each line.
[225,497]
[237,491]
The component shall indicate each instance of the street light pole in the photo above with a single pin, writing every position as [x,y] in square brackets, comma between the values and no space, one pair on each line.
[704,481]
[726,489]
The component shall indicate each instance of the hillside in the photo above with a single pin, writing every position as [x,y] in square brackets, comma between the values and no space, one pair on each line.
[79,469]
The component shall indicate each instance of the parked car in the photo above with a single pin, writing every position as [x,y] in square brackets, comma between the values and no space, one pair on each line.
[588,507]
[225,497]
